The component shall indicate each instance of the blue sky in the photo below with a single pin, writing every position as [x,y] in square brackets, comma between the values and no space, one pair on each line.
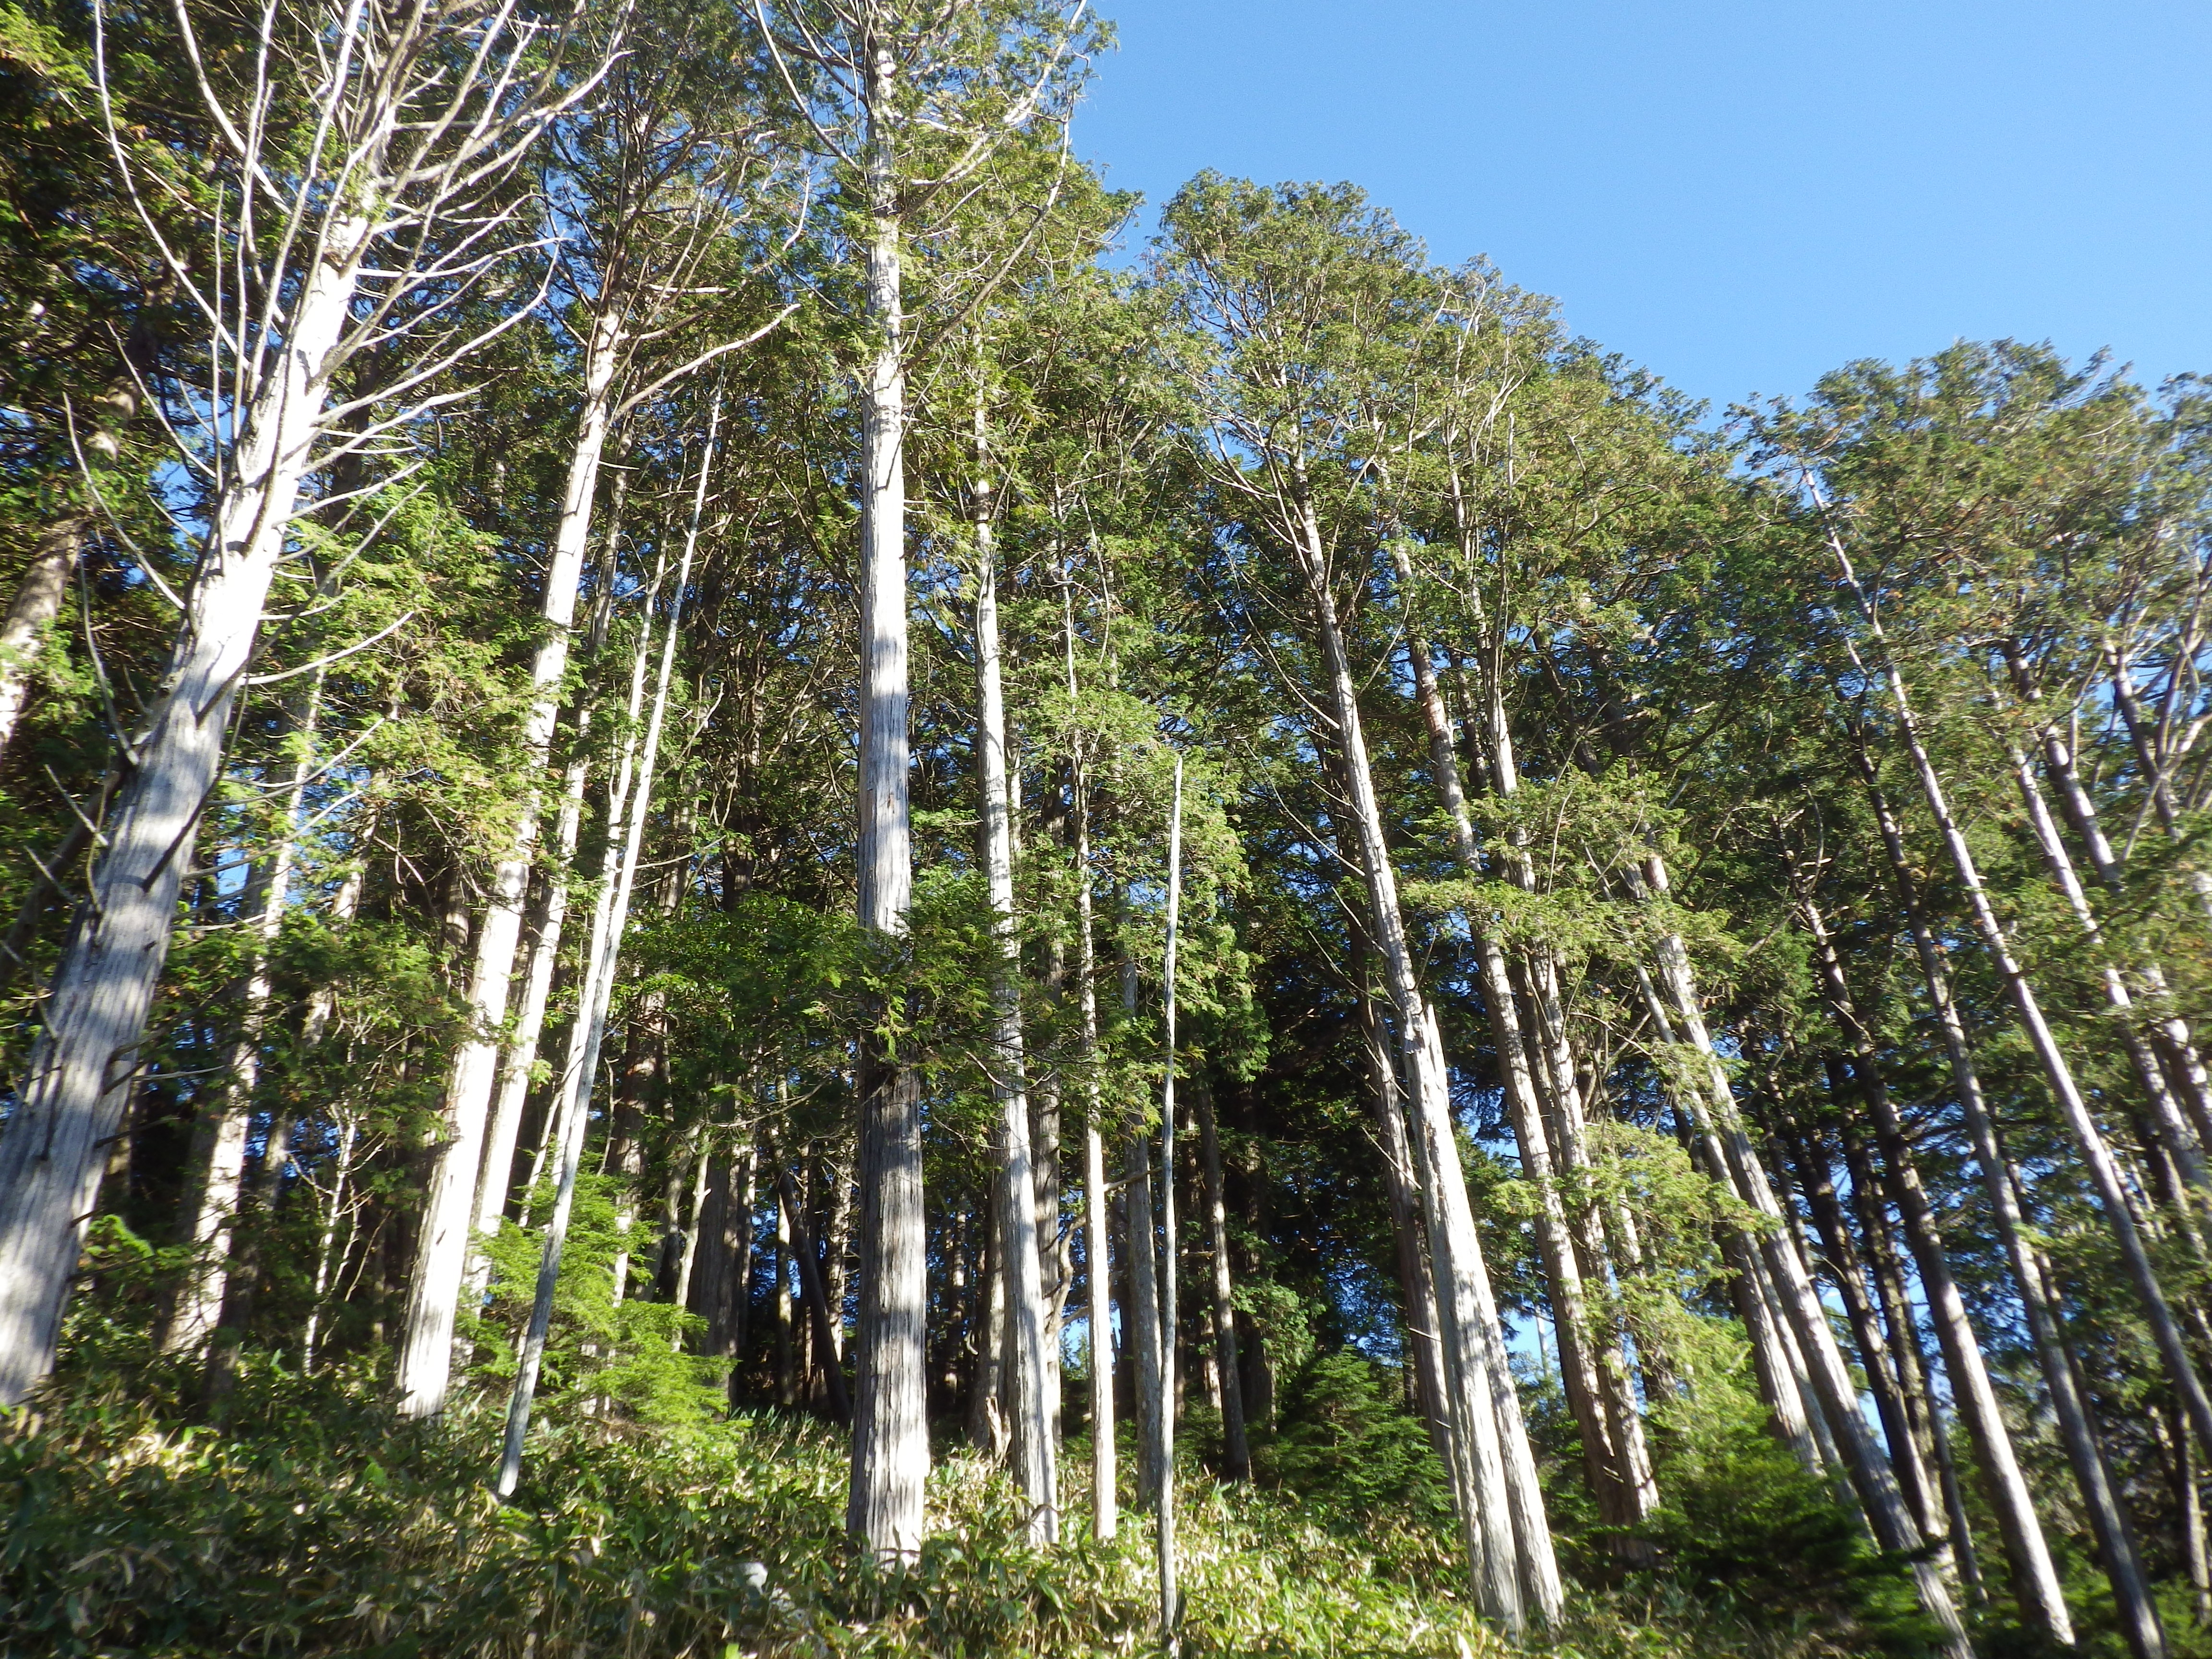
[1738,195]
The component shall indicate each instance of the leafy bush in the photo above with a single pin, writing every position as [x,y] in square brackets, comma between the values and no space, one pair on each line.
[1344,1441]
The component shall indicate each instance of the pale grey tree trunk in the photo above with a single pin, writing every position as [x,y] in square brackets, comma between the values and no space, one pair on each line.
[891,1426]
[1236,1449]
[2177,1135]
[1799,1302]
[220,1175]
[31,614]
[1616,1461]
[2135,1606]
[2177,1042]
[610,921]
[1097,1207]
[2035,1576]
[1488,1511]
[449,1210]
[1140,1265]
[1403,1182]
[1170,1567]
[2097,1158]
[1034,1453]
[77,1082]
[1782,1384]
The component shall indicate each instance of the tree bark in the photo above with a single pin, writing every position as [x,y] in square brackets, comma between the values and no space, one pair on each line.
[1606,1418]
[2035,1576]
[76,1083]
[1799,1303]
[1236,1449]
[2132,1599]
[609,922]
[450,1205]
[891,1425]
[1035,1456]
[31,614]
[1504,1561]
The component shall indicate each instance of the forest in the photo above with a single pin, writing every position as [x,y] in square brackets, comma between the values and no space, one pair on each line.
[776,883]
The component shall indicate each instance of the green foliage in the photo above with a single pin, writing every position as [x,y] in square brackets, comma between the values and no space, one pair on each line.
[1345,1439]
[633,1354]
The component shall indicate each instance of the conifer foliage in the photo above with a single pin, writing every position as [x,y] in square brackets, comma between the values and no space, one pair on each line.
[1000,941]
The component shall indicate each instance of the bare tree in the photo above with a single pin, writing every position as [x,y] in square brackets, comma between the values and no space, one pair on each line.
[365,148]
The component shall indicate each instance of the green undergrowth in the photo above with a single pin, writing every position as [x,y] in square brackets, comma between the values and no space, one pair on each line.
[309,1521]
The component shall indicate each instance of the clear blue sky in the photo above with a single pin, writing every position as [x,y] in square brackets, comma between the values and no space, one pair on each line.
[1737,194]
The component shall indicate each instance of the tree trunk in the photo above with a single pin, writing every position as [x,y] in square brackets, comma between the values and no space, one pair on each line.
[1402,1182]
[1799,1303]
[891,1425]
[2035,1576]
[1035,1456]
[2096,1151]
[31,615]
[2172,1033]
[610,921]
[450,1206]
[78,1081]
[1605,1417]
[1236,1449]
[1490,1516]
[2132,1600]
[1097,1264]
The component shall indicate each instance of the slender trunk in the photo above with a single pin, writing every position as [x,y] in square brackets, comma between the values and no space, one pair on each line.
[818,1300]
[1140,1262]
[2171,1133]
[1605,1416]
[2103,1168]
[1501,1548]
[891,1425]
[31,615]
[687,1254]
[76,1084]
[1402,1182]
[1035,1456]
[1799,1303]
[1236,1449]
[2137,1611]
[450,1206]
[2170,1032]
[326,1240]
[1170,1324]
[1849,1276]
[1097,1208]
[597,990]
[2035,1576]
[221,1171]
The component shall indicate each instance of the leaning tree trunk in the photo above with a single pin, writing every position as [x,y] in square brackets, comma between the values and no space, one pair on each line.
[604,952]
[1605,1419]
[221,1172]
[449,1208]
[1034,1453]
[2103,1168]
[2177,1042]
[1488,1511]
[2115,1550]
[1800,1302]
[79,1077]
[2175,1134]
[890,1424]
